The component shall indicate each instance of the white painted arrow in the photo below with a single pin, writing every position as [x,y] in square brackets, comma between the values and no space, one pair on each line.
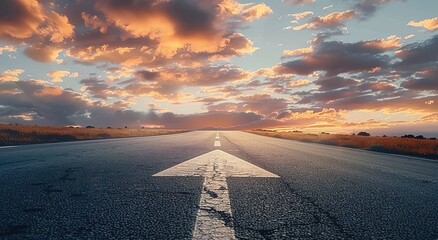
[214,218]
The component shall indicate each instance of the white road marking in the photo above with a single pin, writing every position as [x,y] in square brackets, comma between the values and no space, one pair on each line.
[217,137]
[8,147]
[217,143]
[214,219]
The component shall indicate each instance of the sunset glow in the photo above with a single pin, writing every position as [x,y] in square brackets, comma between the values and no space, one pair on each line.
[316,66]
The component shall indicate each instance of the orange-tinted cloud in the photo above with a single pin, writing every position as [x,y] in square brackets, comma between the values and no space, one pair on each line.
[390,43]
[261,104]
[256,12]
[337,57]
[21,18]
[49,91]
[297,52]
[27,18]
[11,75]
[301,15]
[57,28]
[299,83]
[8,48]
[428,24]
[331,20]
[298,1]
[56,76]
[42,53]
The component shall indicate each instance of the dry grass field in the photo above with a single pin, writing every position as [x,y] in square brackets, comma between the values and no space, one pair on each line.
[20,134]
[397,145]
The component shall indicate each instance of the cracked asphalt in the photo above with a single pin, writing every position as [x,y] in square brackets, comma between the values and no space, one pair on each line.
[105,190]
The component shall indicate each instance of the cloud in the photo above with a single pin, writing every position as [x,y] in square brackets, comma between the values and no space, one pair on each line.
[333,83]
[367,8]
[57,28]
[297,52]
[42,53]
[8,48]
[56,76]
[39,104]
[20,18]
[390,43]
[50,105]
[261,104]
[174,25]
[98,88]
[155,32]
[24,19]
[419,53]
[11,75]
[337,57]
[95,22]
[166,83]
[49,91]
[301,15]
[299,1]
[426,80]
[428,24]
[361,9]
[332,20]
[256,12]
[299,83]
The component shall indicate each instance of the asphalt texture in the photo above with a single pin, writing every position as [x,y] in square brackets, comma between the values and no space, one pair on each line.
[104,189]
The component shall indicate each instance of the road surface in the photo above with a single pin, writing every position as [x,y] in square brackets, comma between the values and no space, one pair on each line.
[118,189]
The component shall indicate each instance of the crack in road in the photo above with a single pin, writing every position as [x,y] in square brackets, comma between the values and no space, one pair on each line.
[305,199]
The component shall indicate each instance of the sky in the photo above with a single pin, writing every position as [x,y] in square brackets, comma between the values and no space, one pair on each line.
[311,65]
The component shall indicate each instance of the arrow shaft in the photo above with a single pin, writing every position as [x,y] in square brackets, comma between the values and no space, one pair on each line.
[214,218]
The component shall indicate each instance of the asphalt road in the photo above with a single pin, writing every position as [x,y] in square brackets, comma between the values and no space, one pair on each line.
[105,189]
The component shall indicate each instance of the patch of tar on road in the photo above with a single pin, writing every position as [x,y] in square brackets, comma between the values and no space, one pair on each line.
[170,192]
[77,195]
[67,176]
[13,229]
[52,189]
[34,210]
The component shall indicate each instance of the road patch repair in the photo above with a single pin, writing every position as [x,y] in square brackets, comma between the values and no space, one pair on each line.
[214,219]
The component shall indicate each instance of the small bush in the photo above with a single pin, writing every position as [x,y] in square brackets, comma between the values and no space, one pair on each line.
[408,136]
[364,134]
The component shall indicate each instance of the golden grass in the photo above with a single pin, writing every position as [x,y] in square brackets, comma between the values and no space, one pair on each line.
[406,146]
[20,134]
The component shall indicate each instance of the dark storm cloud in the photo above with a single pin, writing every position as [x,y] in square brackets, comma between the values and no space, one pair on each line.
[98,88]
[425,80]
[261,104]
[368,8]
[337,57]
[51,103]
[147,75]
[419,53]
[332,83]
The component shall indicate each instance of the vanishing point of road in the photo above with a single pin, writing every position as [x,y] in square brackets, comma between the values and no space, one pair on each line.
[214,185]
